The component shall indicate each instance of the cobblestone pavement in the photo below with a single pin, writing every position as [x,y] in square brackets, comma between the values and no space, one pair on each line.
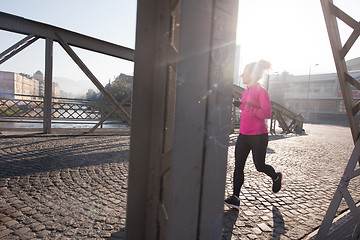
[63,187]
[75,187]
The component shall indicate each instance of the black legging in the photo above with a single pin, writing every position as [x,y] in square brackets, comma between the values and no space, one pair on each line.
[258,145]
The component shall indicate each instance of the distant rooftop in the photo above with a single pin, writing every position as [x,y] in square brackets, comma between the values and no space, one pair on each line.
[353,64]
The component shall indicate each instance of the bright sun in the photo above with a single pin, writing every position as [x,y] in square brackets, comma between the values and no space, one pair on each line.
[290,34]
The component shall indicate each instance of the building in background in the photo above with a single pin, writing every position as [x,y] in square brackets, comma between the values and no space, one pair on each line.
[14,84]
[353,64]
[315,96]
[40,77]
[56,92]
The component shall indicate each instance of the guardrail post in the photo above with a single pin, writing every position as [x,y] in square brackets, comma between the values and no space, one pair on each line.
[48,86]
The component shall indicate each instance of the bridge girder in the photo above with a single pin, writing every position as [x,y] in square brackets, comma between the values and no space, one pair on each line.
[331,14]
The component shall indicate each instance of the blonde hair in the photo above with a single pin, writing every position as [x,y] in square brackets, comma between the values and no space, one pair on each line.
[257,69]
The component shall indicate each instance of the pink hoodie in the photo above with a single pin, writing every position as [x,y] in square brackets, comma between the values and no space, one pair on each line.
[255,108]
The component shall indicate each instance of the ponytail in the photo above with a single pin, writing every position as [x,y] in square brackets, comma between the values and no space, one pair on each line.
[258,68]
[264,65]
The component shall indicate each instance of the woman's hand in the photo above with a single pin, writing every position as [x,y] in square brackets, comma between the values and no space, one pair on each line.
[237,103]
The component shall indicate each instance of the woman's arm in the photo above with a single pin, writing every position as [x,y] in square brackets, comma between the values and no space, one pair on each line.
[264,110]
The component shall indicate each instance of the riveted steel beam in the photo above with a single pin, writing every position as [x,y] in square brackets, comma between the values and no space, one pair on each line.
[331,14]
[25,26]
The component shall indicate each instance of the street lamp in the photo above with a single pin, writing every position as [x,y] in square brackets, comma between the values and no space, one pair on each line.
[307,95]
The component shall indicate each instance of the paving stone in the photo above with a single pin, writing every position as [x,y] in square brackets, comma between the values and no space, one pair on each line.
[29,235]
[11,223]
[43,234]
[257,230]
[22,231]
[249,213]
[38,227]
[252,236]
[83,232]
[16,214]
[105,234]
[264,227]
[108,227]
[50,225]
[70,232]
[5,232]
[26,209]
[5,219]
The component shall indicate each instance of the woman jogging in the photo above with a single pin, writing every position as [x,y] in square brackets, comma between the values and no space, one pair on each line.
[255,107]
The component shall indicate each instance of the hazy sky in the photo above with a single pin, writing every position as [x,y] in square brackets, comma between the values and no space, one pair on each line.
[110,20]
[289,33]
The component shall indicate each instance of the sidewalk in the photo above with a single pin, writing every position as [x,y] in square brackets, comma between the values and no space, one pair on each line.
[65,187]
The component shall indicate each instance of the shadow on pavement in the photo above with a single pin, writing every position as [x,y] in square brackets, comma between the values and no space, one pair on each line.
[57,153]
[342,228]
[272,137]
[117,235]
[279,224]
[229,221]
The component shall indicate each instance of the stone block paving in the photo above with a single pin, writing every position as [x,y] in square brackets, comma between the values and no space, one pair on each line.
[75,187]
[63,187]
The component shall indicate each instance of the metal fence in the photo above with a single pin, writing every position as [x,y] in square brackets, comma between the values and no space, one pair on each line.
[24,108]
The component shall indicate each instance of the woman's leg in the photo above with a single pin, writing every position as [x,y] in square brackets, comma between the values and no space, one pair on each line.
[242,150]
[259,144]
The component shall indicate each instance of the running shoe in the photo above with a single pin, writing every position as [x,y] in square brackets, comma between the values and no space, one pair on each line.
[277,183]
[233,202]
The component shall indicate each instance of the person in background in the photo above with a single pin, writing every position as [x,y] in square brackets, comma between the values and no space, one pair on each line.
[255,107]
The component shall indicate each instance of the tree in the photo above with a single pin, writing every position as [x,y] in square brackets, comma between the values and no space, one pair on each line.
[120,89]
[91,95]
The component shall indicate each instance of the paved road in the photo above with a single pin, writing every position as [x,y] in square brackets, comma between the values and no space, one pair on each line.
[75,187]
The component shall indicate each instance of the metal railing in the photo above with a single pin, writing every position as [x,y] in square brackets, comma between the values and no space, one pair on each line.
[19,108]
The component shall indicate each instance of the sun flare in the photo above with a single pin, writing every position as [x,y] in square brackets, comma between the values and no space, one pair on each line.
[290,34]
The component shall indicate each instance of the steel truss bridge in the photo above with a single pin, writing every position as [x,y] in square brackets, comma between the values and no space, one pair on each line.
[181,51]
[35,30]
[331,14]
[52,109]
[23,108]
